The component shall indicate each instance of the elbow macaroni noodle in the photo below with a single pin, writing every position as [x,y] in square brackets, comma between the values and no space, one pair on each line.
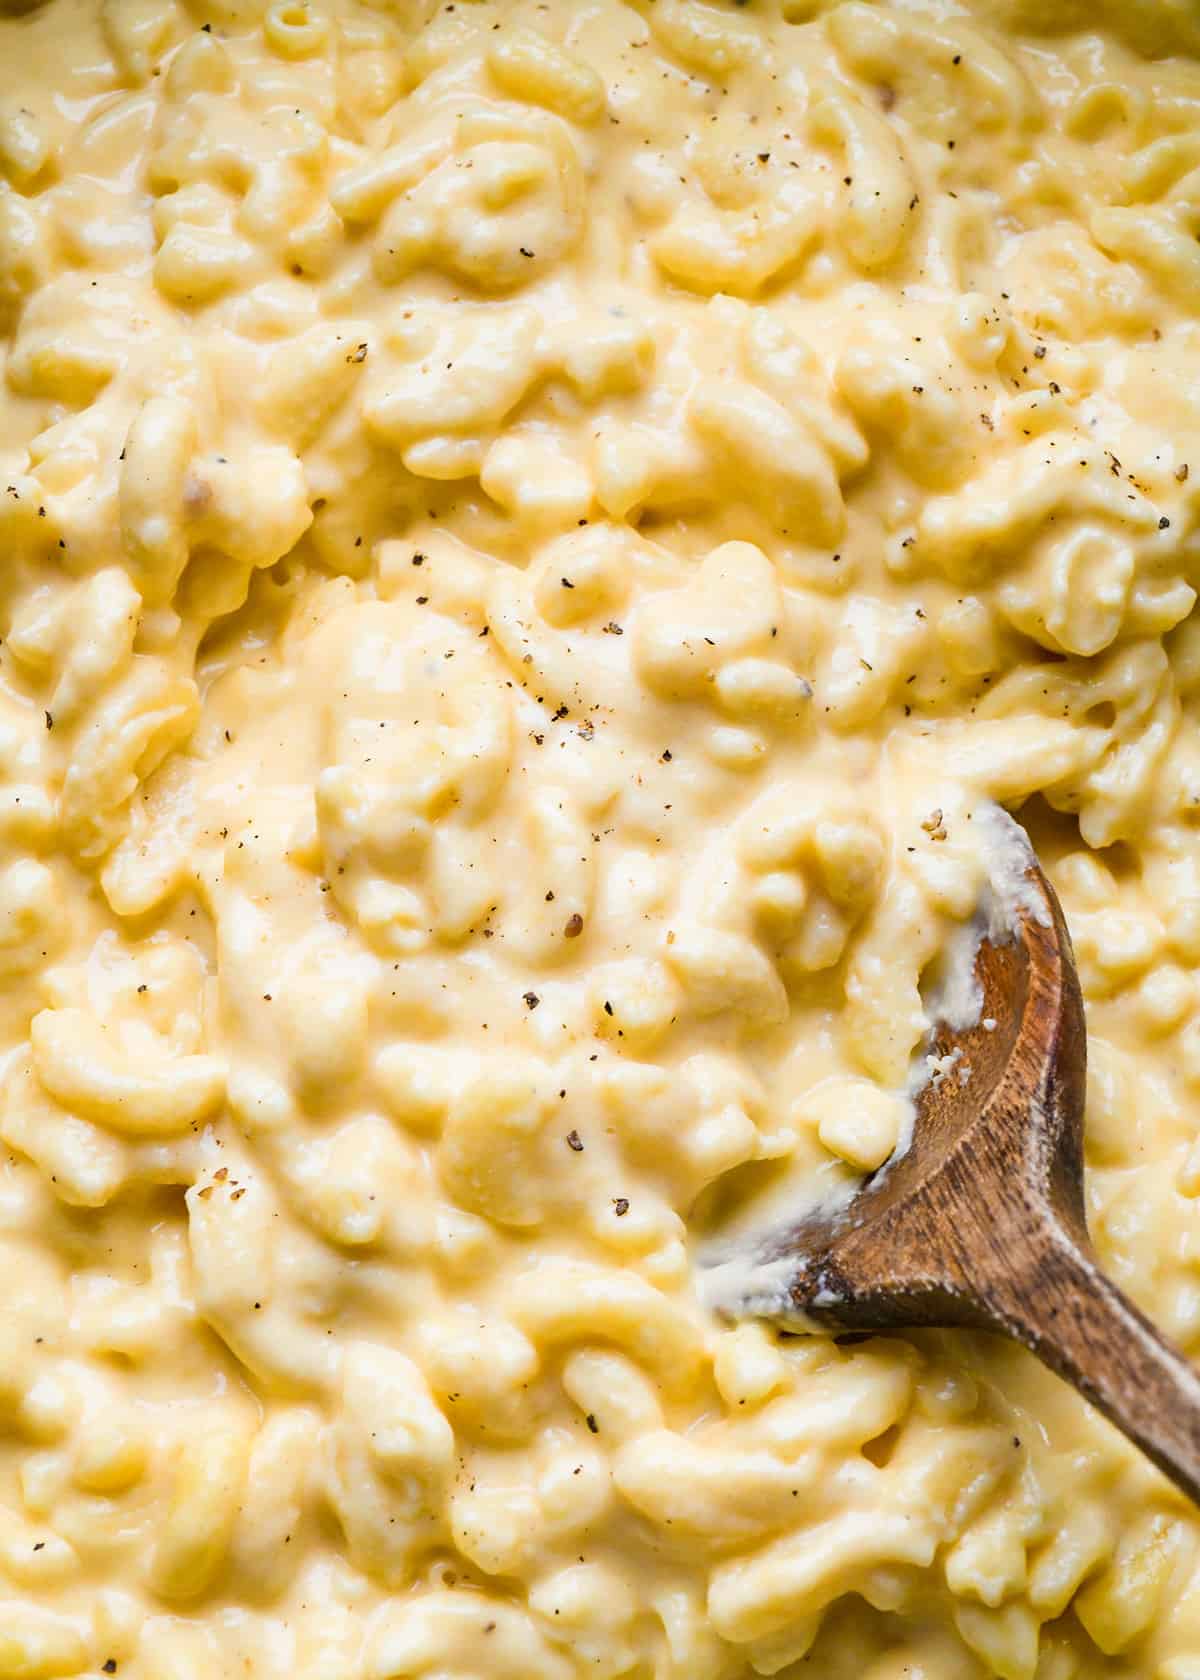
[528,529]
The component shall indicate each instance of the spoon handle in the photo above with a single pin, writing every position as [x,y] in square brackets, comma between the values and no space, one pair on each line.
[1066,1311]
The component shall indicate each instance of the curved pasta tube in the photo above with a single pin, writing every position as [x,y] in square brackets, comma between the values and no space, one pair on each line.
[1154,242]
[23,255]
[965,531]
[880,204]
[242,1253]
[559,851]
[295,30]
[880,42]
[764,443]
[491,1142]
[531,67]
[478,371]
[136,32]
[571,670]
[460,1632]
[1163,168]
[84,1067]
[85,1163]
[908,407]
[24,146]
[72,336]
[569,1301]
[709,1491]
[1100,104]
[158,452]
[275,1500]
[736,251]
[720,971]
[149,713]
[209,1474]
[38,1644]
[884,1015]
[363,193]
[387,1462]
[682,637]
[784,364]
[1128,709]
[753,1599]
[704,38]
[81,639]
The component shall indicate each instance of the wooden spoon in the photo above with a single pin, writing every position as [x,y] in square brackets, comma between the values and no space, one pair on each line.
[980,1223]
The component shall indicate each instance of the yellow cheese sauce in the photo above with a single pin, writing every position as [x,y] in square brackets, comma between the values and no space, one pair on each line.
[528,530]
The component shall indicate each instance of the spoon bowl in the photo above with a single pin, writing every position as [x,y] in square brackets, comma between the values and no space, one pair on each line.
[980,1221]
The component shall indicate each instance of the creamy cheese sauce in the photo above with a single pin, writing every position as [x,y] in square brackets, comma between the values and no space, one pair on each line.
[529,530]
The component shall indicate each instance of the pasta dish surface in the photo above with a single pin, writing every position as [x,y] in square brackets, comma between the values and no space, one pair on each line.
[528,531]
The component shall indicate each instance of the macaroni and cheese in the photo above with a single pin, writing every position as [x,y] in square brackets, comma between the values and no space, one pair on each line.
[528,530]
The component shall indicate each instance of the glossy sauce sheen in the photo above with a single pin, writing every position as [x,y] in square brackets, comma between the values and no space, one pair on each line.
[528,530]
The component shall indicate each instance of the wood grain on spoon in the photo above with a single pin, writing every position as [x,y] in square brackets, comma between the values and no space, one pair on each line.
[981,1222]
